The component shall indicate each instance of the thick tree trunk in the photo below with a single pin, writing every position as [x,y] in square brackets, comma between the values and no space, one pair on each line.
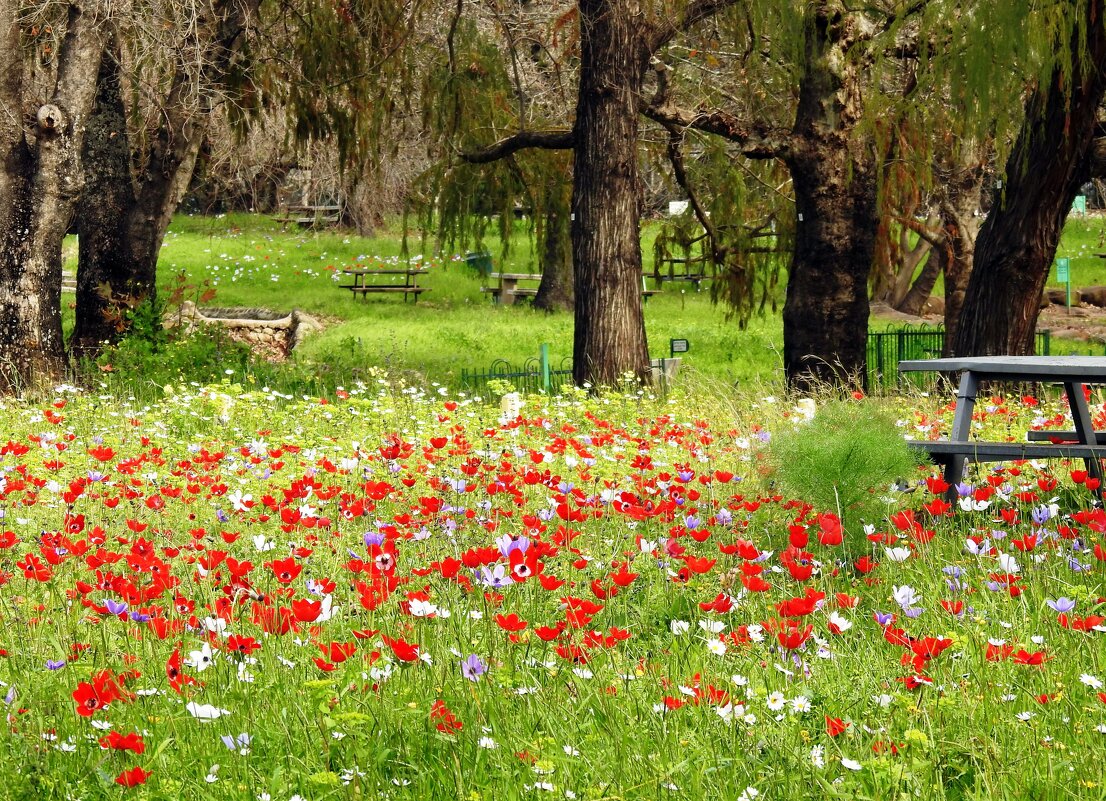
[555,291]
[1047,165]
[606,196]
[39,179]
[825,315]
[118,267]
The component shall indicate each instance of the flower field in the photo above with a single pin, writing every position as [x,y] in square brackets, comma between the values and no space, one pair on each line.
[394,593]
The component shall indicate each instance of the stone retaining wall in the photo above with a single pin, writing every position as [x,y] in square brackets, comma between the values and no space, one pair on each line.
[270,334]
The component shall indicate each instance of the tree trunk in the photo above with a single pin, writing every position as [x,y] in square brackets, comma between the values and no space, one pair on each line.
[922,287]
[960,229]
[39,179]
[555,291]
[116,276]
[606,196]
[825,315]
[1046,167]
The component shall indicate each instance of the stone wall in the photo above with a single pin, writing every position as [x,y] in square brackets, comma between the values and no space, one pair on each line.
[269,334]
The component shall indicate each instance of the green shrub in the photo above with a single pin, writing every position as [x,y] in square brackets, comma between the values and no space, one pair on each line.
[845,460]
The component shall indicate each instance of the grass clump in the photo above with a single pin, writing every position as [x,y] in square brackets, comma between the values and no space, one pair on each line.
[843,460]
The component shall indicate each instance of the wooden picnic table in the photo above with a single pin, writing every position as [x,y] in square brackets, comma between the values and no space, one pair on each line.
[508,291]
[363,285]
[308,215]
[1073,372]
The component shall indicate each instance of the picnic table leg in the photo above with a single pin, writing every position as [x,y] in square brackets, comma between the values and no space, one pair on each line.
[961,429]
[1084,427]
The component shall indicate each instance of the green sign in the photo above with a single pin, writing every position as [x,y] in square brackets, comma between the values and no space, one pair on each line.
[1063,269]
[1080,204]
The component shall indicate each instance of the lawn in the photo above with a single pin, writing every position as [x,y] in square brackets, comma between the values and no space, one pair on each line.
[400,594]
[250,261]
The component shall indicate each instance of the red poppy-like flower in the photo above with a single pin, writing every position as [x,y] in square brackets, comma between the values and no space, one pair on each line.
[285,570]
[835,727]
[123,742]
[132,777]
[443,719]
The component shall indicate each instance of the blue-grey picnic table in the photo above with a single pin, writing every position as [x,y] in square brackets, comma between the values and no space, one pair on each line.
[1073,372]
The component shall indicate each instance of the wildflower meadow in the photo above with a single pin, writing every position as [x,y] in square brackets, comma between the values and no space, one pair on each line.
[396,593]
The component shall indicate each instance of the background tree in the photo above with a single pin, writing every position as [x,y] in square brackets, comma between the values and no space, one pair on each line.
[1049,162]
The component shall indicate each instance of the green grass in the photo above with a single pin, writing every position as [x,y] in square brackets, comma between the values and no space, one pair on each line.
[250,261]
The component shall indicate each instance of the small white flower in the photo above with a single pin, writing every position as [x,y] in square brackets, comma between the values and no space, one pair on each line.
[487,742]
[739,680]
[851,764]
[1008,563]
[818,756]
[897,554]
[712,626]
[776,701]
[800,705]
[1024,716]
[749,794]
[204,712]
[1091,681]
[750,719]
[678,627]
[201,660]
[883,701]
[571,751]
[102,725]
[716,647]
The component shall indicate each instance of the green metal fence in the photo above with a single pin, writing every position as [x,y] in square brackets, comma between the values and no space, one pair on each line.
[887,348]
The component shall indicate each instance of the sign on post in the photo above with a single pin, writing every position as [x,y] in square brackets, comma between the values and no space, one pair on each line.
[677,346]
[1080,205]
[1063,273]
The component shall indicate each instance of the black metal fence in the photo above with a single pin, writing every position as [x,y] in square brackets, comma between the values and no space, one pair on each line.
[887,348]
[529,378]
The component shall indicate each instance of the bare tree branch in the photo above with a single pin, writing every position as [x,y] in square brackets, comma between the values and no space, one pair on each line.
[542,140]
[697,11]
[755,142]
[676,157]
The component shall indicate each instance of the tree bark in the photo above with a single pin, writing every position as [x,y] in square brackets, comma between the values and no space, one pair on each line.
[922,287]
[825,314]
[606,196]
[555,293]
[116,276]
[1045,169]
[40,177]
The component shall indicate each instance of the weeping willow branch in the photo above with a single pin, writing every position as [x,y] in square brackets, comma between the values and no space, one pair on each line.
[542,140]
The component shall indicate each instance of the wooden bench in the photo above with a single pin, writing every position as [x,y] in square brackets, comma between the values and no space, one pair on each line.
[1073,372]
[507,291]
[310,216]
[363,286]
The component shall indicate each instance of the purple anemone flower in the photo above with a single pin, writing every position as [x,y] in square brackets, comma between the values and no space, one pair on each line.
[473,667]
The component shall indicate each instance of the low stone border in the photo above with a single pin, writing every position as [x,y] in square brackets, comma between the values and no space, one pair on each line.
[272,334]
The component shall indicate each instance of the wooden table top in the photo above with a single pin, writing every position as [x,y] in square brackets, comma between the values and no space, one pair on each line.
[1087,369]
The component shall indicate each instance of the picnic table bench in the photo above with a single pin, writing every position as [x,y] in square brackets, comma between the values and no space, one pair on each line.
[1073,372]
[507,290]
[310,216]
[364,286]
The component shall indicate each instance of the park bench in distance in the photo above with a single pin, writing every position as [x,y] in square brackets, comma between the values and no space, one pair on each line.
[310,216]
[1073,372]
[363,284]
[507,290]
